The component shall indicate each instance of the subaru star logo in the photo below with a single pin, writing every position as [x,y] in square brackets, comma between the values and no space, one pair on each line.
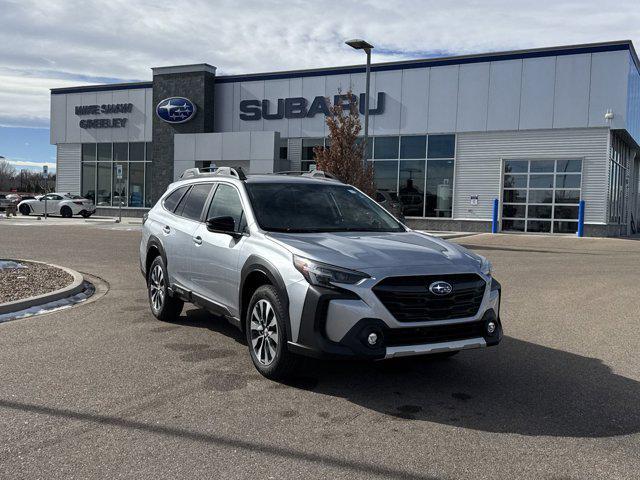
[176,110]
[440,288]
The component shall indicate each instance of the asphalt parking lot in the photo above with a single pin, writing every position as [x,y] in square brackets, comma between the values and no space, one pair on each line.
[105,390]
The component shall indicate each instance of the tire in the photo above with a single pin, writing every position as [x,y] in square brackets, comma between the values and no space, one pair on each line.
[66,212]
[24,209]
[163,306]
[86,214]
[265,328]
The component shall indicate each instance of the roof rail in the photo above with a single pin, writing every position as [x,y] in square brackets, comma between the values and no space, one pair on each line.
[311,174]
[214,171]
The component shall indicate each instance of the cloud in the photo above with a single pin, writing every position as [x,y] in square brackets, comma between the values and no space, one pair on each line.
[62,43]
[25,164]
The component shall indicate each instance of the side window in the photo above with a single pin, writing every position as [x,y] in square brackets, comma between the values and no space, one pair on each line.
[193,202]
[226,203]
[172,200]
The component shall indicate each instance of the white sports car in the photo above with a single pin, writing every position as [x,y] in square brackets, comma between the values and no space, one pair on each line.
[63,204]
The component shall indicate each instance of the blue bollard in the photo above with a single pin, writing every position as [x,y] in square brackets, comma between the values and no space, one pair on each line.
[581,219]
[494,222]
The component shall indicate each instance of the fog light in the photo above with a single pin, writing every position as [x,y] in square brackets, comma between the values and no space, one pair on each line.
[491,327]
[372,339]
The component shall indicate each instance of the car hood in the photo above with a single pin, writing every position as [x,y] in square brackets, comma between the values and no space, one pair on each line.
[370,250]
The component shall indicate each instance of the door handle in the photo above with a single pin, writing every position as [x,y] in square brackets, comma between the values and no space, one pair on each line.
[197,240]
[166,229]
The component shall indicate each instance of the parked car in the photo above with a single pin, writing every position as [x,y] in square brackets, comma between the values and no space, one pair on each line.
[63,204]
[310,266]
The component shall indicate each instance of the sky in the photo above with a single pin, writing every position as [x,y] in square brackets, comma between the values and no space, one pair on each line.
[53,43]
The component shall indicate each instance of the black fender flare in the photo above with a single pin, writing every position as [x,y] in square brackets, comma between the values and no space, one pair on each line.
[154,242]
[254,263]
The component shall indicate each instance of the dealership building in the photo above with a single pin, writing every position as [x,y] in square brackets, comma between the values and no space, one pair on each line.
[538,130]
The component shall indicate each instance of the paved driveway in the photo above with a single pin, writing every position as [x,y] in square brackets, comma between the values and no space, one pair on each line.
[106,391]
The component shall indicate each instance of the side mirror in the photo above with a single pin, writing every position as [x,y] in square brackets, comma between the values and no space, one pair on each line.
[224,224]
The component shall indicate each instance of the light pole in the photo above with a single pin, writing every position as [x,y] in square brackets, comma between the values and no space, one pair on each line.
[360,44]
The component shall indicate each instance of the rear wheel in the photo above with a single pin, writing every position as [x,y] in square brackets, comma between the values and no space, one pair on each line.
[266,334]
[24,209]
[66,212]
[163,306]
[86,214]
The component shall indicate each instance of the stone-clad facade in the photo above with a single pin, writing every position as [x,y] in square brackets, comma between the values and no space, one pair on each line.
[195,82]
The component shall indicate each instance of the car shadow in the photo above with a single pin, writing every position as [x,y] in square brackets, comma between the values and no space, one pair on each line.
[517,387]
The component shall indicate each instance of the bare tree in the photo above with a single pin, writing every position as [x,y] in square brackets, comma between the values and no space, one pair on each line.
[7,174]
[343,157]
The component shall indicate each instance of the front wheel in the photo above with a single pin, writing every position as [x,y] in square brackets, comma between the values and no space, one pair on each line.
[266,334]
[24,209]
[163,306]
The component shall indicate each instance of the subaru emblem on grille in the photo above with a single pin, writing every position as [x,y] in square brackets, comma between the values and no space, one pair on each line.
[440,288]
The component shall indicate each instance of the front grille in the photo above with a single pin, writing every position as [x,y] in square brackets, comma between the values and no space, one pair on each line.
[408,299]
[435,334]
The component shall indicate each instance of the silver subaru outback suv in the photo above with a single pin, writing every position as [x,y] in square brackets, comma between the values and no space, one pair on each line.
[308,266]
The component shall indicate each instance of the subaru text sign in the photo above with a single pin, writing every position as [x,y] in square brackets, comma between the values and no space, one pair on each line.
[176,110]
[300,107]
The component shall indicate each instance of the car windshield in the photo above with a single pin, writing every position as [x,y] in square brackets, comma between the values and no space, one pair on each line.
[313,207]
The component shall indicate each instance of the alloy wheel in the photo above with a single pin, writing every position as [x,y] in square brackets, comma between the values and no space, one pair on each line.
[264,332]
[157,288]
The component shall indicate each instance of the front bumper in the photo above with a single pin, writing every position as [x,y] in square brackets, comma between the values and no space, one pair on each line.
[326,311]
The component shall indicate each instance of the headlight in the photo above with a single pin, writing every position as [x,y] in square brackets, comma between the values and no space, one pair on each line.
[485,268]
[323,275]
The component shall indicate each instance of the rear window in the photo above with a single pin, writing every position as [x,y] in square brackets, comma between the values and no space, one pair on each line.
[172,200]
[192,204]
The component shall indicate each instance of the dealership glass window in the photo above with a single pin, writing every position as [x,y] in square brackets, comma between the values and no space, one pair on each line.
[439,191]
[411,187]
[104,152]
[541,195]
[308,162]
[369,148]
[414,146]
[103,191]
[385,148]
[89,152]
[441,146]
[88,189]
[120,152]
[284,148]
[386,175]
[136,184]
[99,182]
[136,152]
[120,186]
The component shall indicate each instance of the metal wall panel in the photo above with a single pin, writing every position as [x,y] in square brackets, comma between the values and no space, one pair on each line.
[504,95]
[473,97]
[479,163]
[608,73]
[538,86]
[571,99]
[273,91]
[389,122]
[68,171]
[58,130]
[415,101]
[312,87]
[443,99]
[251,91]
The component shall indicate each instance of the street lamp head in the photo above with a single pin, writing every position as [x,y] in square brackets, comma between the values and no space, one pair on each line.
[359,44]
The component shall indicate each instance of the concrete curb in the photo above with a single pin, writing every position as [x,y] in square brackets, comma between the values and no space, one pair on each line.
[74,287]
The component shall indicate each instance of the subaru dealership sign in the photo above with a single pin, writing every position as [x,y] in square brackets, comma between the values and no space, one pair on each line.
[176,110]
